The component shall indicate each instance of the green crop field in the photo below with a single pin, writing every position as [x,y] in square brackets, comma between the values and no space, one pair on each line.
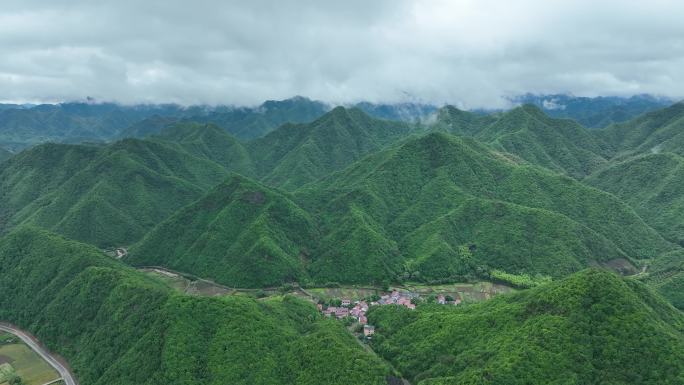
[18,359]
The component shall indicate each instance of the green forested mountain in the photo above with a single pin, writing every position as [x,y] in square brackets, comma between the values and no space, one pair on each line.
[116,326]
[241,233]
[558,144]
[589,328]
[666,275]
[72,122]
[250,123]
[38,171]
[464,123]
[112,195]
[106,196]
[293,154]
[148,126]
[23,126]
[351,199]
[242,122]
[657,131]
[447,207]
[596,112]
[653,184]
[296,154]
[427,198]
[406,112]
[561,145]
[210,142]
[5,154]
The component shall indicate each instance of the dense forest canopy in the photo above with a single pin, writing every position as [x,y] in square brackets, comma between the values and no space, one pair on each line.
[299,194]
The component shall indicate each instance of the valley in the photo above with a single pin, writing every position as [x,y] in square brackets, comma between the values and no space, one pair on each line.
[353,248]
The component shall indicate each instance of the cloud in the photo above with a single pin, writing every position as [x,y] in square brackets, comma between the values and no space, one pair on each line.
[473,53]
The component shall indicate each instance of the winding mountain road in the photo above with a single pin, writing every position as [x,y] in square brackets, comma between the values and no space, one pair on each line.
[47,356]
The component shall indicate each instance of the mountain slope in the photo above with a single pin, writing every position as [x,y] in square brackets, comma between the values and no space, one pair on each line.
[116,326]
[666,275]
[240,234]
[148,126]
[595,112]
[561,145]
[38,171]
[108,196]
[210,142]
[250,123]
[589,328]
[295,154]
[464,123]
[430,196]
[653,184]
[72,122]
[5,154]
[653,132]
[558,144]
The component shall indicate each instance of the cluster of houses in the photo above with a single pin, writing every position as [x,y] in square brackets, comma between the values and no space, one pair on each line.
[358,311]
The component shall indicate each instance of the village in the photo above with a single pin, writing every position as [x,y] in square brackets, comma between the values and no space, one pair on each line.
[357,310]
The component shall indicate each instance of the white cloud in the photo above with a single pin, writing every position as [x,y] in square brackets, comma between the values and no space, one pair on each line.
[472,53]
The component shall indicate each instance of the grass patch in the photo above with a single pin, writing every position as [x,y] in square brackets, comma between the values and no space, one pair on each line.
[25,363]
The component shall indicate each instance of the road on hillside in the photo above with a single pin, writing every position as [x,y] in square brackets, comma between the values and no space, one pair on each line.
[47,356]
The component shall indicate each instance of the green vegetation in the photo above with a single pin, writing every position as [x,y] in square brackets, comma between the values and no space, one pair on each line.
[71,122]
[210,142]
[240,234]
[426,199]
[595,112]
[116,326]
[250,123]
[243,122]
[589,328]
[666,275]
[656,131]
[435,209]
[107,196]
[5,154]
[352,200]
[297,154]
[25,367]
[524,281]
[561,145]
[653,184]
[22,126]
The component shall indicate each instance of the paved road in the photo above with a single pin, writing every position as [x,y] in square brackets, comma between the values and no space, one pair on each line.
[63,372]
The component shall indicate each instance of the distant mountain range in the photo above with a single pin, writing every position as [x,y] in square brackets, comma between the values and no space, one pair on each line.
[25,125]
[594,112]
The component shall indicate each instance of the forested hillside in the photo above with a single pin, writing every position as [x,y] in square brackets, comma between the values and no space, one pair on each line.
[589,328]
[350,199]
[241,233]
[294,155]
[657,131]
[596,112]
[653,184]
[428,198]
[666,275]
[115,326]
[5,154]
[561,145]
[435,207]
[107,196]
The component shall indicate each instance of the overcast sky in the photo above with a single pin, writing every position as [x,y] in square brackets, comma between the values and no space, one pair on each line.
[469,53]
